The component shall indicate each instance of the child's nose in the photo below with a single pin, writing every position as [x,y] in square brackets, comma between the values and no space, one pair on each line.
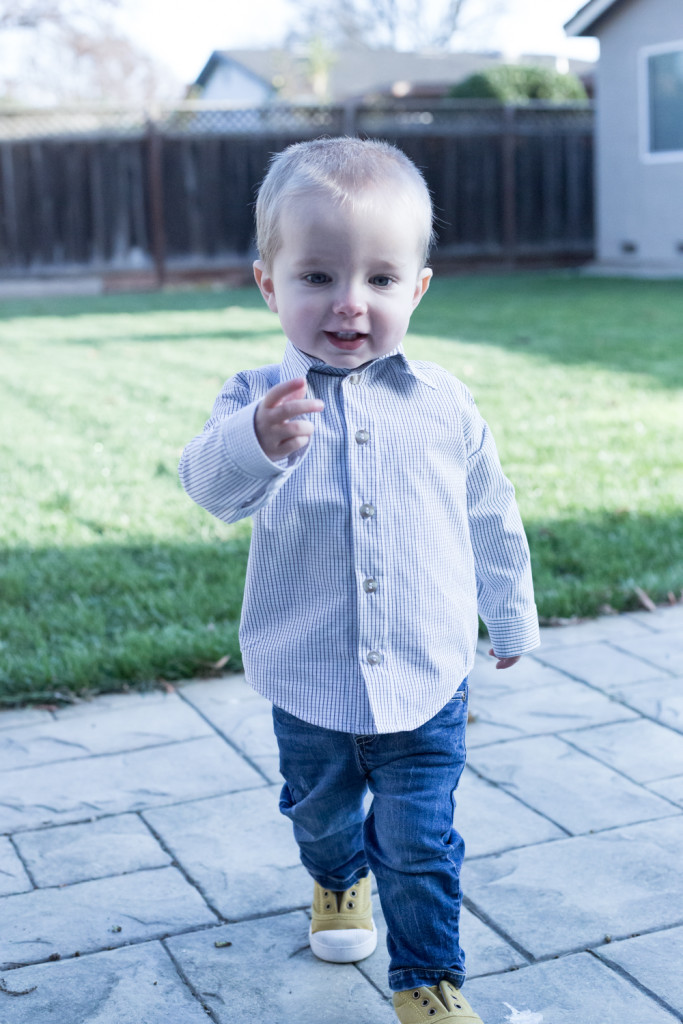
[350,302]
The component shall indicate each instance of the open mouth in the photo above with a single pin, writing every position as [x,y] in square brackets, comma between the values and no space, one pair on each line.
[347,340]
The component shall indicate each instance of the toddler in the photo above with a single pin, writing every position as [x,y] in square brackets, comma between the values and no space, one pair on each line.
[382,525]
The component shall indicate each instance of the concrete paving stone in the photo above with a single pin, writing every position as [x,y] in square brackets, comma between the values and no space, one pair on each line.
[562,896]
[13,877]
[241,714]
[661,699]
[670,789]
[642,750]
[134,985]
[104,731]
[572,789]
[491,821]
[600,665]
[526,675]
[229,689]
[653,960]
[544,709]
[485,952]
[239,850]
[574,990]
[666,619]
[664,650]
[75,790]
[269,974]
[604,628]
[18,718]
[133,699]
[77,853]
[98,915]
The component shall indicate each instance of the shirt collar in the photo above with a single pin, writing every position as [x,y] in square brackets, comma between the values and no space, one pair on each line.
[296,363]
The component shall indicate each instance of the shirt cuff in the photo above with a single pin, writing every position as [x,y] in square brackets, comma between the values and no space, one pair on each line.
[510,638]
[243,447]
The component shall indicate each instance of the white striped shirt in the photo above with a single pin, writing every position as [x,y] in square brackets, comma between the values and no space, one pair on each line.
[373,547]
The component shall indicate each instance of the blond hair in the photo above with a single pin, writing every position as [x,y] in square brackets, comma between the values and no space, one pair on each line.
[344,170]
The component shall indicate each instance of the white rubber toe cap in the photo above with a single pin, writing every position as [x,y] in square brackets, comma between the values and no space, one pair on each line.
[343,945]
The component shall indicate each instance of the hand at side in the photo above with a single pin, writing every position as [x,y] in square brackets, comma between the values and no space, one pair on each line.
[504,662]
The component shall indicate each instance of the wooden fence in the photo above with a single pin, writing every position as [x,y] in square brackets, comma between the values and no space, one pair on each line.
[98,192]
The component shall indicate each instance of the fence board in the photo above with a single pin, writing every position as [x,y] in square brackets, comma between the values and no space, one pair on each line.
[10,205]
[506,182]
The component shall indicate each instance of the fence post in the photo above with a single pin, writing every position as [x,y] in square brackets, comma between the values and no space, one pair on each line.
[509,183]
[349,119]
[9,205]
[156,200]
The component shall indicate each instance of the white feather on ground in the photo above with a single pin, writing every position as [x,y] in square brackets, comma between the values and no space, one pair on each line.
[523,1016]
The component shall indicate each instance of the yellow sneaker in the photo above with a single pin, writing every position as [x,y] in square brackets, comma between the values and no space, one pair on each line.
[342,930]
[442,1002]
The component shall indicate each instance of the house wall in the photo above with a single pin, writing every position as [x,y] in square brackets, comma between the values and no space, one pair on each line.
[229,82]
[639,202]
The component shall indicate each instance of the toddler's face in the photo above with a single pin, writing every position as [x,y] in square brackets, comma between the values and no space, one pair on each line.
[345,281]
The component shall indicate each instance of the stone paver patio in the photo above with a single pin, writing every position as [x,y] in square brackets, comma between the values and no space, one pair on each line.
[147,877]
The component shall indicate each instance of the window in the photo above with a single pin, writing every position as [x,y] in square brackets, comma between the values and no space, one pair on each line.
[665,80]
[662,102]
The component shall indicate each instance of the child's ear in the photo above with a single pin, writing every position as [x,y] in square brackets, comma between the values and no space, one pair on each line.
[265,284]
[423,279]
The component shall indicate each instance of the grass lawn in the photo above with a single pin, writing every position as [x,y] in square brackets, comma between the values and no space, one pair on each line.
[110,576]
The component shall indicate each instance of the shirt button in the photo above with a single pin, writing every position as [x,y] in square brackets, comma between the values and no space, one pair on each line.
[370,585]
[353,378]
[362,436]
[367,511]
[375,658]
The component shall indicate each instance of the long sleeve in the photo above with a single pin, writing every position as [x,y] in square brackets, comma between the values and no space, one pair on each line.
[224,469]
[501,552]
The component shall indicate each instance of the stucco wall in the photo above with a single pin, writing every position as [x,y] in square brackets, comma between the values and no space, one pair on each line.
[639,203]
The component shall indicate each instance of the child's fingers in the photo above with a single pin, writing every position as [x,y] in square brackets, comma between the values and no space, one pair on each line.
[278,430]
[288,438]
[288,428]
[287,447]
[299,407]
[280,392]
[504,662]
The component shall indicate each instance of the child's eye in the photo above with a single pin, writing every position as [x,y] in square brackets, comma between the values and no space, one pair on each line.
[317,278]
[380,280]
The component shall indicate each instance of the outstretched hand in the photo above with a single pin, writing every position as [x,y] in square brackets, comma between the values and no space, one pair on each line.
[504,662]
[277,430]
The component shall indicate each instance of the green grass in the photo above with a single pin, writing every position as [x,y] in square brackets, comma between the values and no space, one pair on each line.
[110,576]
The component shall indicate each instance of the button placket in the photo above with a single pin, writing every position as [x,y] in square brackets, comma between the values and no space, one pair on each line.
[368,560]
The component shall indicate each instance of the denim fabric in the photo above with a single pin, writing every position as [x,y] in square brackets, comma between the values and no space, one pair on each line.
[406,839]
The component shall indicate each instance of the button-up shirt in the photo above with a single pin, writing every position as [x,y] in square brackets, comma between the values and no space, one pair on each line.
[374,547]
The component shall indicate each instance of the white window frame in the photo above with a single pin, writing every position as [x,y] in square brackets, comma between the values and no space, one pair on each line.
[646,154]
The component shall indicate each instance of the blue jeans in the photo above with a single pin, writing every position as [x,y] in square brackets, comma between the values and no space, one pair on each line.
[407,838]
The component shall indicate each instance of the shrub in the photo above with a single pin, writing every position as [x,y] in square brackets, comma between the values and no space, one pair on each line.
[519,83]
